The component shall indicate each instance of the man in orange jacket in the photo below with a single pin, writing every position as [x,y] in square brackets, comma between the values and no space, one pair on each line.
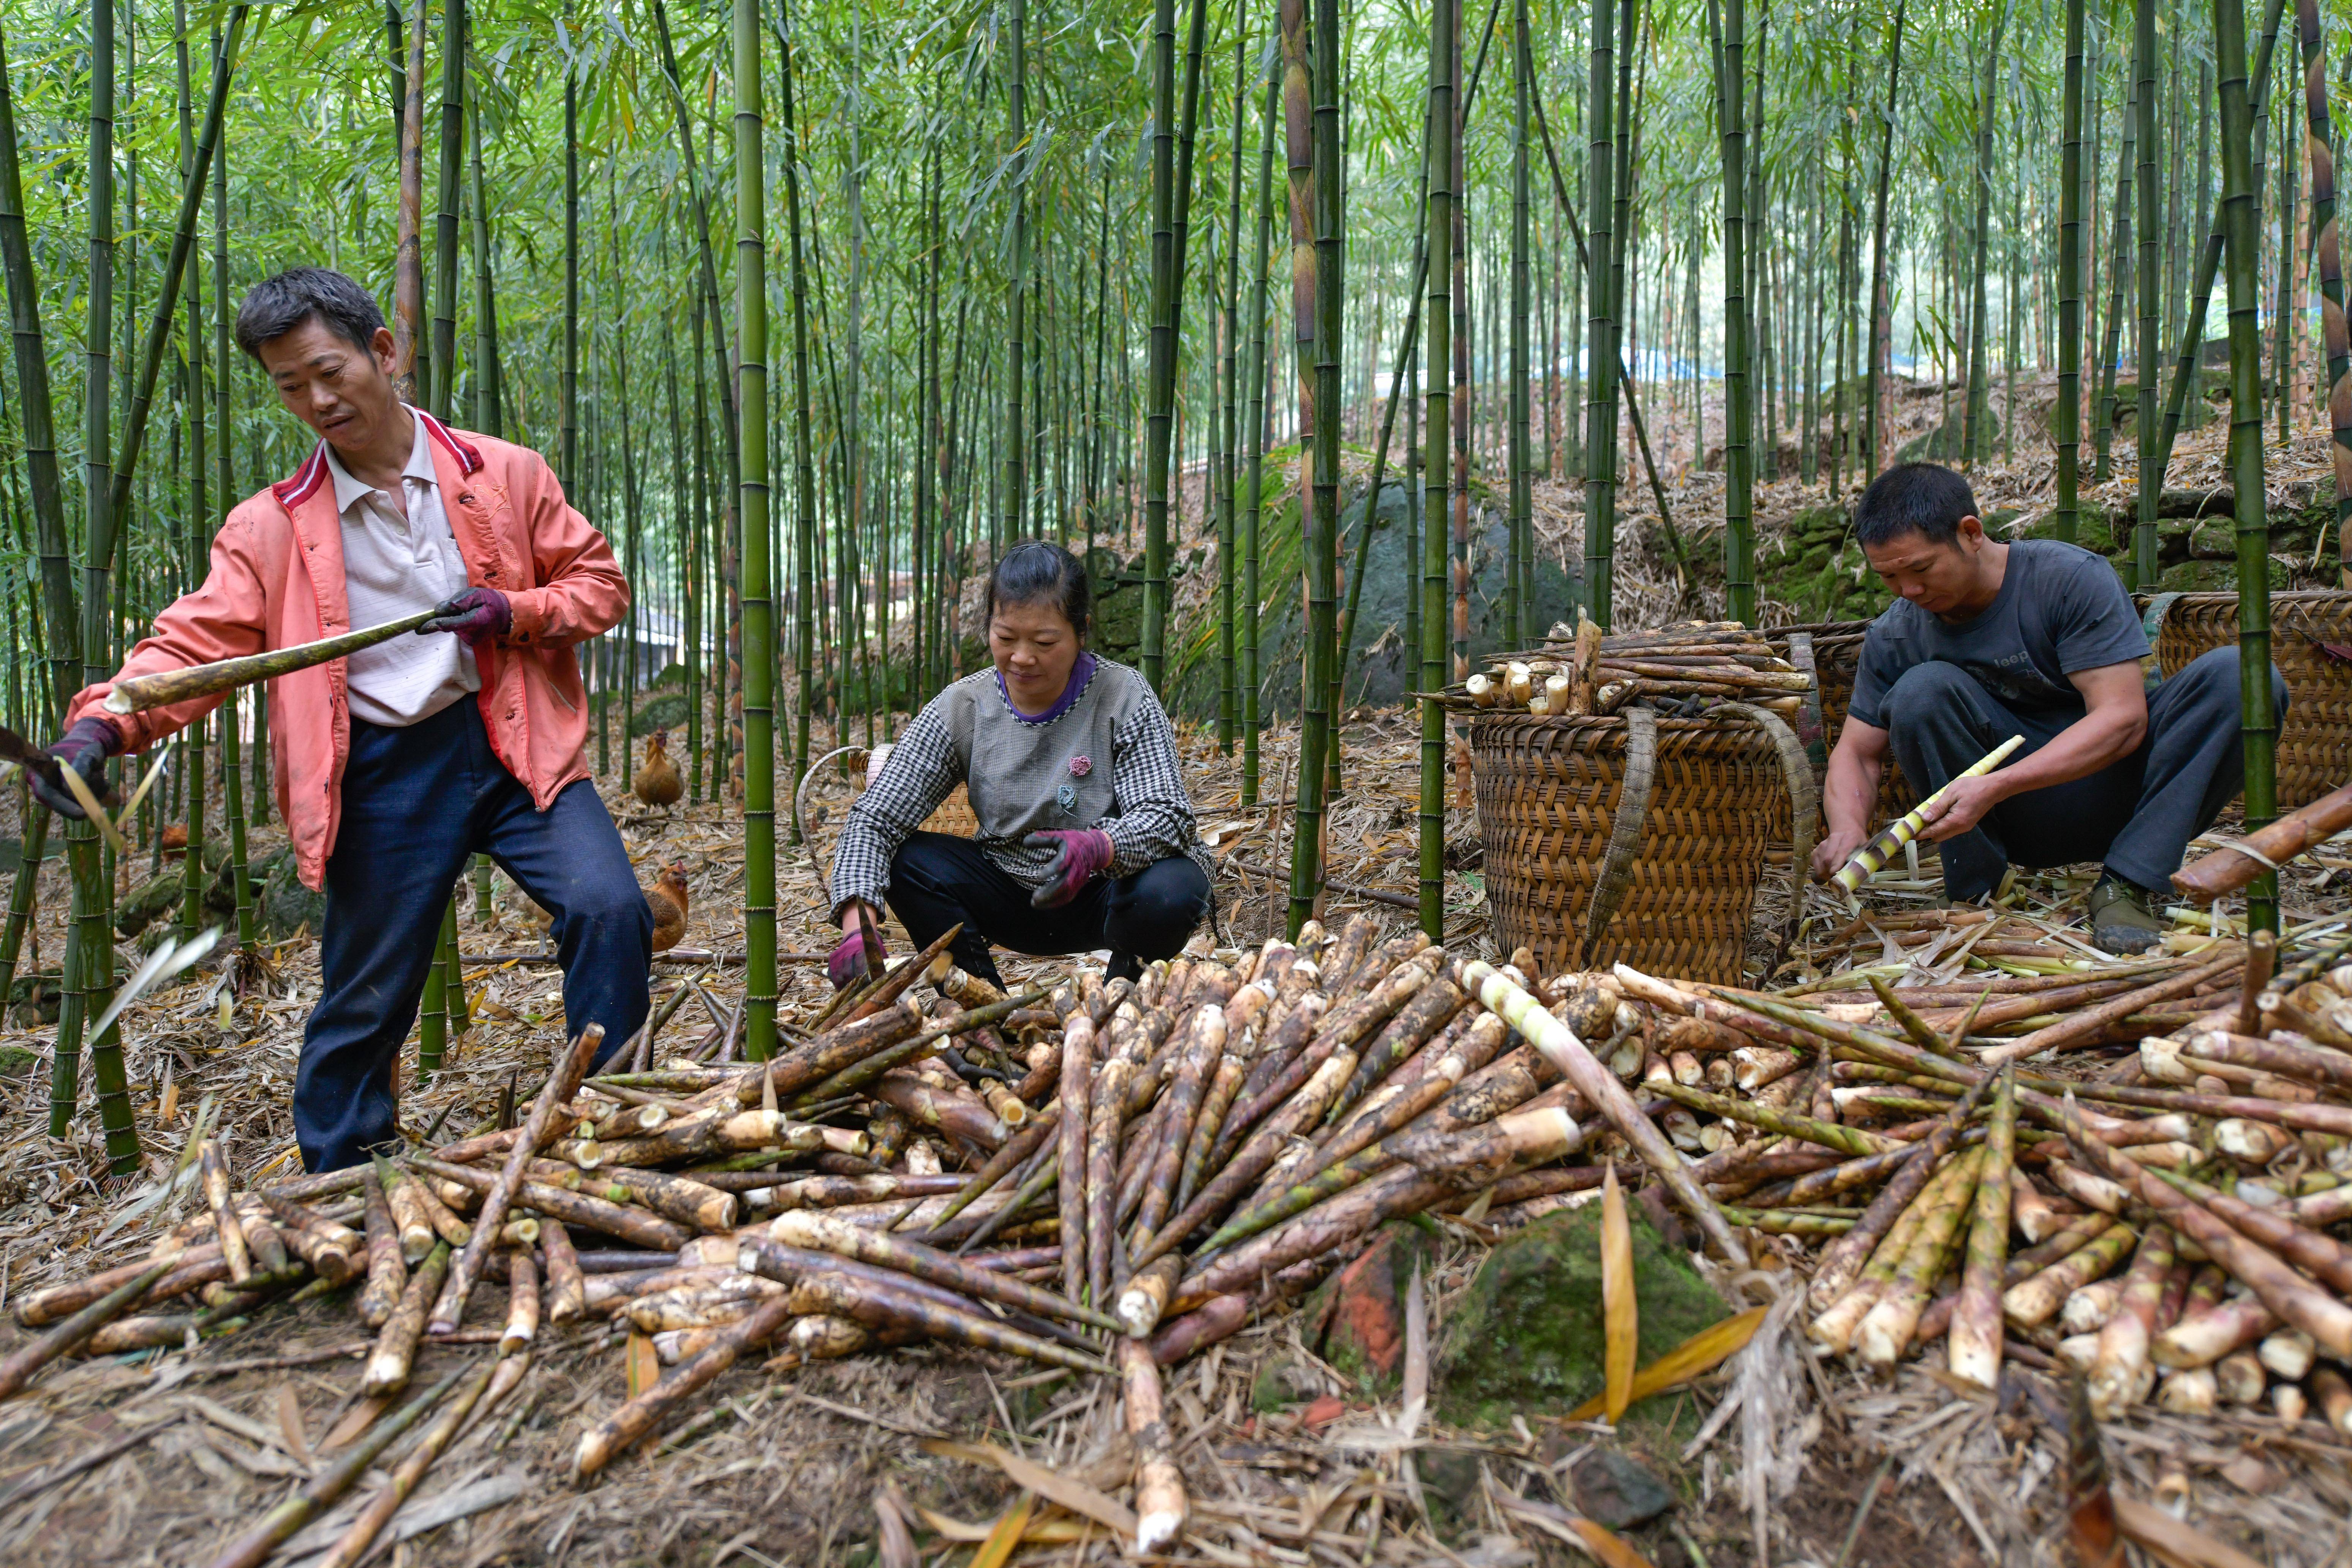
[396,766]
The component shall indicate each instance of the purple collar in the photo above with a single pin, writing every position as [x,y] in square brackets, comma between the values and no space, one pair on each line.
[1080,673]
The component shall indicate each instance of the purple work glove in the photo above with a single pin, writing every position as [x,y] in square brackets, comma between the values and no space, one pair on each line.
[84,749]
[859,955]
[1080,854]
[476,616]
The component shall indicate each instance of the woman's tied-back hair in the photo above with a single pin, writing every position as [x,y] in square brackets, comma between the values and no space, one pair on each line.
[1035,570]
[276,306]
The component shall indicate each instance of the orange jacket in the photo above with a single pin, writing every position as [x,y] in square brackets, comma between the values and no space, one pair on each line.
[277,579]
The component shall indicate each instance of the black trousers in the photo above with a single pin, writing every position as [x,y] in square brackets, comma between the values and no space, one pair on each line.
[937,879]
[2136,815]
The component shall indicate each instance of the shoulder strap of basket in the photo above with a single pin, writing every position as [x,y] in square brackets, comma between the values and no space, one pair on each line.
[1625,824]
[1804,801]
[1809,726]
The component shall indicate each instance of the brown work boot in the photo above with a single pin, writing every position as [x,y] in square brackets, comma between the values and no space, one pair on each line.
[2124,921]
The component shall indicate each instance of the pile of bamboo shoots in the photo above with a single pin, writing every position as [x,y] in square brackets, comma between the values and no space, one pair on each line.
[1100,1176]
[2158,1220]
[1681,670]
[1108,1176]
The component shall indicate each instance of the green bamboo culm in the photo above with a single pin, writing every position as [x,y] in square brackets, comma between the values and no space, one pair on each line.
[1228,416]
[804,445]
[2144,569]
[460,1017]
[1437,315]
[2328,261]
[759,620]
[1015,498]
[1601,434]
[1882,309]
[31,846]
[1159,373]
[433,1013]
[1738,467]
[1301,139]
[2185,368]
[2240,218]
[443,367]
[1975,443]
[1517,612]
[1253,685]
[192,866]
[90,968]
[2068,415]
[50,541]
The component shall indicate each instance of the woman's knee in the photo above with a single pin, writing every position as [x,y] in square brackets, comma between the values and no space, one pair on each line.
[1152,913]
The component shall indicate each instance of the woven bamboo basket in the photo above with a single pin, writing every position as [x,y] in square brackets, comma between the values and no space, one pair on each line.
[1549,790]
[2311,643]
[1836,659]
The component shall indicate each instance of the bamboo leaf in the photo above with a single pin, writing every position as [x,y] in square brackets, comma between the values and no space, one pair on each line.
[1620,1310]
[1702,1353]
[1007,1533]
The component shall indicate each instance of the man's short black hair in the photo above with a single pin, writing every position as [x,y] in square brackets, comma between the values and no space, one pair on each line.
[276,306]
[1926,499]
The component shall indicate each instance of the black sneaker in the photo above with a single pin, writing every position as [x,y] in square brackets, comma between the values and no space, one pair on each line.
[2123,917]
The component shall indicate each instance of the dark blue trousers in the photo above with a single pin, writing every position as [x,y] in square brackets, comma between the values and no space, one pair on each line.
[2138,814]
[418,803]
[937,879]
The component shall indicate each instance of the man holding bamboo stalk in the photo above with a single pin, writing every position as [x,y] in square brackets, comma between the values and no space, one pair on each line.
[2036,638]
[396,764]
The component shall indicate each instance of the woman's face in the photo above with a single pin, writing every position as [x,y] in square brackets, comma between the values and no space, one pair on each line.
[1035,647]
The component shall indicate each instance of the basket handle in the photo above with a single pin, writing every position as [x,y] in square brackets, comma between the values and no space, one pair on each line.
[1624,826]
[1804,811]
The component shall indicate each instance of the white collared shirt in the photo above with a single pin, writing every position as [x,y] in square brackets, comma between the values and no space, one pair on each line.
[399,559]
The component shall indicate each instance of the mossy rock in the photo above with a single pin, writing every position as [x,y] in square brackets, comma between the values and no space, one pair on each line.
[1528,1335]
[1363,1307]
[15,1061]
[152,899]
[667,711]
[286,905]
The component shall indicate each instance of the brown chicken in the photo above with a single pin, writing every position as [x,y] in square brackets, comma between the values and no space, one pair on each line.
[175,838]
[656,781]
[667,897]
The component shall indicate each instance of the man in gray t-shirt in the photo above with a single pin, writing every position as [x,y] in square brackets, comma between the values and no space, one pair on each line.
[2035,639]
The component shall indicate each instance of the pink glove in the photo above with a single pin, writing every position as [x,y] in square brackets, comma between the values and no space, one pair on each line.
[859,955]
[1080,854]
[475,615]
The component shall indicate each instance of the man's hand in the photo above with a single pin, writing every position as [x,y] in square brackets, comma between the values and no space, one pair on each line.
[475,616]
[1833,852]
[1963,805]
[84,748]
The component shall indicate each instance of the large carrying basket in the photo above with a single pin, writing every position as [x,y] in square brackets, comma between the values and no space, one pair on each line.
[1548,796]
[2311,643]
[1832,651]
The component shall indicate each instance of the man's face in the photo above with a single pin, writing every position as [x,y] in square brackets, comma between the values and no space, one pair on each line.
[339,390]
[1940,578]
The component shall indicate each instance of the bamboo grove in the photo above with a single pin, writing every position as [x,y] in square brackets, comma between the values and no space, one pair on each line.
[817,306]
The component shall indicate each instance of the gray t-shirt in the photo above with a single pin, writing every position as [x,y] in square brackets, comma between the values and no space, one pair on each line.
[2061,610]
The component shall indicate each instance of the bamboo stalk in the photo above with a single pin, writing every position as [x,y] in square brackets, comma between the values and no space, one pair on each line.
[1843,1260]
[21,1365]
[1975,1349]
[562,1084]
[353,1545]
[2121,1374]
[2285,1292]
[139,693]
[816,1231]
[253,1548]
[1601,1088]
[1871,857]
